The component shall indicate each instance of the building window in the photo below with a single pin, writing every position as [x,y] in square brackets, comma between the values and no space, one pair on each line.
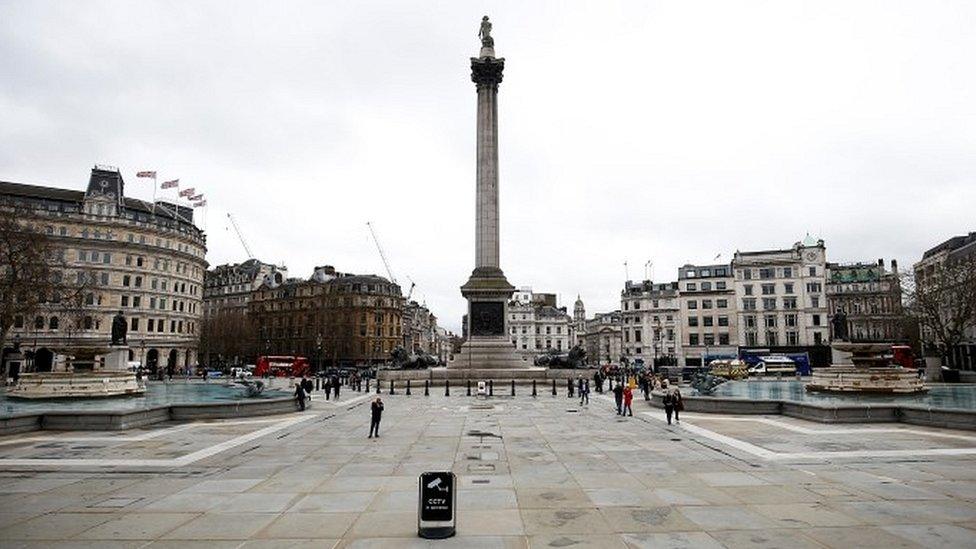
[813,271]
[709,339]
[747,288]
[815,301]
[708,321]
[788,273]
[723,321]
[791,321]
[816,320]
[125,301]
[138,282]
[720,285]
[788,288]
[749,304]
[772,338]
[789,303]
[746,274]
[769,303]
[722,303]
[693,321]
[766,273]
[691,286]
[792,338]
[751,339]
[723,339]
[769,321]
[134,325]
[692,304]
[692,339]
[706,304]
[769,289]
[706,286]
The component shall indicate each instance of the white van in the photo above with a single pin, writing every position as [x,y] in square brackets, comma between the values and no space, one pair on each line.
[774,365]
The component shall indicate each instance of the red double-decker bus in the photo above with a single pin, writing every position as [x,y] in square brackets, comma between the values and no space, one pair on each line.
[281,366]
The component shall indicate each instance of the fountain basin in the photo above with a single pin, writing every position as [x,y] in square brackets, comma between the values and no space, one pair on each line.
[77,385]
[850,379]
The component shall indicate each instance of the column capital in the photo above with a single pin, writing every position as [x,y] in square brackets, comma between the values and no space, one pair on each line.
[487,71]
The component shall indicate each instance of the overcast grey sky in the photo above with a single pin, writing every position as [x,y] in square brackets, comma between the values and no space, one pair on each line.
[631,131]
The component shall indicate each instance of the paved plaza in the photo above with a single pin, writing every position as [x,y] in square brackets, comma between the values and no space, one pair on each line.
[533,472]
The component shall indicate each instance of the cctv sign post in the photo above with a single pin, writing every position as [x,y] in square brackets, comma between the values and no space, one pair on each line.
[435,517]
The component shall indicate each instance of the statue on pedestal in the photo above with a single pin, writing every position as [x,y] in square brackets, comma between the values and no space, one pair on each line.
[839,324]
[119,329]
[485,33]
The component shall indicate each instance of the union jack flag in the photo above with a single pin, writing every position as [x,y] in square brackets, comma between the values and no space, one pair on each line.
[187,192]
[200,204]
[169,184]
[196,197]
[146,174]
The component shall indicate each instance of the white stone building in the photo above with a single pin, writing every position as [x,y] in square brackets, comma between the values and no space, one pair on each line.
[604,339]
[781,300]
[537,324]
[651,323]
[228,287]
[708,310]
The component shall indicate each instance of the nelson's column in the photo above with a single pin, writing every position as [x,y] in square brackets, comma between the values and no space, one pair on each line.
[488,346]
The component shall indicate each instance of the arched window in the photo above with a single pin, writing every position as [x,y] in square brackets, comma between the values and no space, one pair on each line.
[39,322]
[53,323]
[88,323]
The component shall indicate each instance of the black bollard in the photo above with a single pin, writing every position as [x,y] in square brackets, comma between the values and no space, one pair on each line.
[554,387]
[426,388]
[491,387]
[533,388]
[378,386]
[447,387]
[469,387]
[367,385]
[408,387]
[317,381]
[391,386]
[513,387]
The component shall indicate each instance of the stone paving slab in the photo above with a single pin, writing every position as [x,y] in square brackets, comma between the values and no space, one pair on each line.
[544,478]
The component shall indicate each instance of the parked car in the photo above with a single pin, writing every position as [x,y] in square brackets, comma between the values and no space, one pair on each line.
[774,365]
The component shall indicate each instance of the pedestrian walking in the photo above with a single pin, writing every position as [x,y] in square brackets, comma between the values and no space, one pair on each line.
[300,396]
[375,414]
[673,404]
[335,387]
[628,400]
[618,397]
[307,387]
[327,387]
[586,390]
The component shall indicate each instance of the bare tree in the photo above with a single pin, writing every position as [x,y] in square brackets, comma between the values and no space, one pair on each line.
[227,335]
[32,274]
[943,301]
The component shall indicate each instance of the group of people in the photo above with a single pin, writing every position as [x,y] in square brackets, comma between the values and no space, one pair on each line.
[303,394]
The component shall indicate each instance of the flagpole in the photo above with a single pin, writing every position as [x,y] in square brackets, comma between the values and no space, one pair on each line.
[155,184]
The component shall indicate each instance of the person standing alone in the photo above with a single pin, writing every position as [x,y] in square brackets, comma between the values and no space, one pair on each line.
[628,400]
[376,413]
[618,397]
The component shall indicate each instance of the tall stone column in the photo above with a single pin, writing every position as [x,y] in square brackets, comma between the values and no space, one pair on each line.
[489,346]
[486,72]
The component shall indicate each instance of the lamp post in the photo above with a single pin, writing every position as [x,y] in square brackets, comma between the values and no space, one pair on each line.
[318,352]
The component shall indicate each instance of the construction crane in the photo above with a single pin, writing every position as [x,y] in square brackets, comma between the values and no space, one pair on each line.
[240,236]
[412,286]
[379,248]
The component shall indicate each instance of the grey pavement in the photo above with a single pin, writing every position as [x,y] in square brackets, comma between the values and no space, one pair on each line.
[554,474]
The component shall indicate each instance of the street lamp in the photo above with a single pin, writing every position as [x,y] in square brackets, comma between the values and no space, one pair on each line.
[318,352]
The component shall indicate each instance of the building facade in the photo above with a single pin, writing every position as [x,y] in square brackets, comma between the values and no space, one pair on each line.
[229,287]
[146,260]
[870,298]
[708,310]
[604,339]
[651,323]
[781,299]
[963,356]
[332,318]
[537,324]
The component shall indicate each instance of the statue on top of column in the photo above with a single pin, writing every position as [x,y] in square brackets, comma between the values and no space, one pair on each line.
[119,329]
[485,33]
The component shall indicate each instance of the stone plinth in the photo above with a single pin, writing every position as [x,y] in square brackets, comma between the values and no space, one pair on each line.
[77,385]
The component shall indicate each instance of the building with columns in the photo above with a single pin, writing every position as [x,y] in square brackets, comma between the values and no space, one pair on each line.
[604,340]
[709,325]
[870,297]
[782,301]
[963,356]
[579,322]
[147,260]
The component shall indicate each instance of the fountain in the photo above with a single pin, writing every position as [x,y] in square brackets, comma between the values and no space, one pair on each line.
[862,368]
[108,377]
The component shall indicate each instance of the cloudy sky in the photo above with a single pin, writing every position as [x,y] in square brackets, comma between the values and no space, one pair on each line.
[636,131]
